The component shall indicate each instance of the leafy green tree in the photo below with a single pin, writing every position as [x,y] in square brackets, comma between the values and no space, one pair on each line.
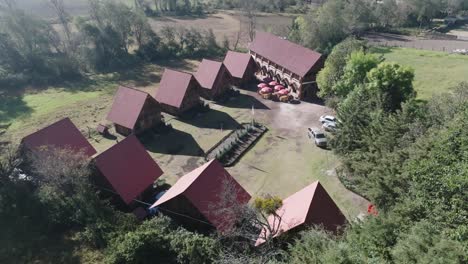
[334,66]
[358,64]
[425,244]
[31,50]
[113,29]
[61,177]
[393,82]
[321,29]
[425,10]
[160,240]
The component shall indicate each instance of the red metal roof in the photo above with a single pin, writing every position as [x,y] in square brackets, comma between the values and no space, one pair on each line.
[289,55]
[311,205]
[207,72]
[173,87]
[128,103]
[128,168]
[61,134]
[203,187]
[237,63]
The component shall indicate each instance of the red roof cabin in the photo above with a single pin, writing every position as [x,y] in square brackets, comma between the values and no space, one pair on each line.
[242,67]
[307,207]
[292,65]
[134,111]
[198,200]
[126,172]
[214,78]
[62,134]
[178,92]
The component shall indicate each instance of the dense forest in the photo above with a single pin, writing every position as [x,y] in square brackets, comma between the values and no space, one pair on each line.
[409,157]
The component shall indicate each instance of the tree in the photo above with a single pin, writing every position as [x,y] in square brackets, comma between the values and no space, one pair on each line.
[64,19]
[358,64]
[159,239]
[321,29]
[62,185]
[334,66]
[334,21]
[249,9]
[387,13]
[31,48]
[425,10]
[393,82]
[251,222]
[425,244]
[112,31]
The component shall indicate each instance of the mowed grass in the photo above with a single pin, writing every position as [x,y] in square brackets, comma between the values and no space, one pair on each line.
[41,104]
[280,166]
[435,72]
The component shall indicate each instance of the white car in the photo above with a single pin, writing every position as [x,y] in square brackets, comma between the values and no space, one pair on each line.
[330,126]
[327,119]
[318,136]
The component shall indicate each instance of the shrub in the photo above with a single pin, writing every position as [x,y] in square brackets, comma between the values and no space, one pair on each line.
[159,240]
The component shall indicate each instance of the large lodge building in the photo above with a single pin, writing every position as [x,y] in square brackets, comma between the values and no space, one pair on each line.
[288,63]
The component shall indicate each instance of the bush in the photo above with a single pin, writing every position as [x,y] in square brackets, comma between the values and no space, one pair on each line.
[160,240]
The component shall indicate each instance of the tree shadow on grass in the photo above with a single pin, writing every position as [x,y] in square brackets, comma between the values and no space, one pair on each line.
[213,119]
[137,74]
[12,107]
[145,74]
[175,142]
[245,101]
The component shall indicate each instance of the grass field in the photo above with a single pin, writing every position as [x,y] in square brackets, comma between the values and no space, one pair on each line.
[435,72]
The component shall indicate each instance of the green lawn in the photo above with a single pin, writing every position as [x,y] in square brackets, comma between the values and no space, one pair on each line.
[435,72]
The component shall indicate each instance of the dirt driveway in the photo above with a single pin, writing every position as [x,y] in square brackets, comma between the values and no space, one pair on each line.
[285,160]
[394,40]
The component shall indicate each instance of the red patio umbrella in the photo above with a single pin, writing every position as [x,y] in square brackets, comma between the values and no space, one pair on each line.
[284,92]
[266,90]
[279,88]
[261,85]
[273,83]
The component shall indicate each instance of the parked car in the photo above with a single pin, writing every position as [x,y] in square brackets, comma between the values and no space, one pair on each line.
[318,137]
[328,119]
[330,126]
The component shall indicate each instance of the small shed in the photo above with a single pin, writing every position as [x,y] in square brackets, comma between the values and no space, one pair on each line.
[242,67]
[134,111]
[309,206]
[214,78]
[204,199]
[61,134]
[178,92]
[126,172]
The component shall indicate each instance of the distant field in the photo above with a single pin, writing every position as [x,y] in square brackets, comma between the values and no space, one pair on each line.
[435,72]
[42,7]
